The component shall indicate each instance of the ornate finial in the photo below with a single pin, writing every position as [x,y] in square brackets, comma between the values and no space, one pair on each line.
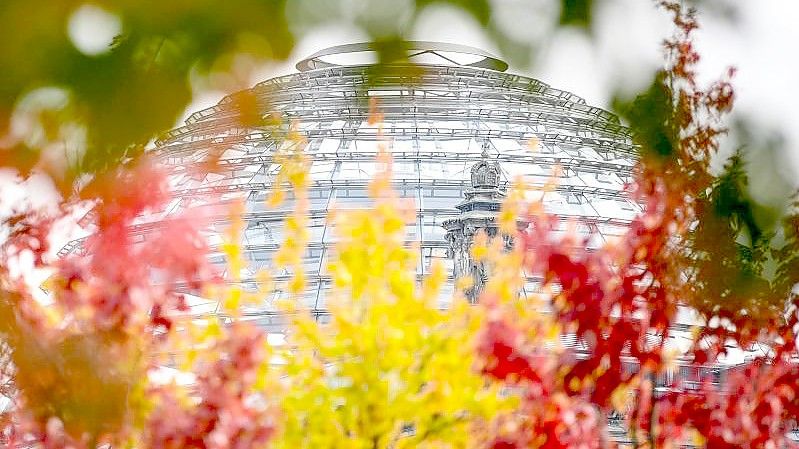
[485,175]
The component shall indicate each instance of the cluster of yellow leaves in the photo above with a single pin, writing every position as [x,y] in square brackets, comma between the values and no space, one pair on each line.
[294,168]
[389,369]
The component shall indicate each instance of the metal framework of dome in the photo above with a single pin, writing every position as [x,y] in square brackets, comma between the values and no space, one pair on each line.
[459,132]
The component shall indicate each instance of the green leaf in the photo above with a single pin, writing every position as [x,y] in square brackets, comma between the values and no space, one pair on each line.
[576,13]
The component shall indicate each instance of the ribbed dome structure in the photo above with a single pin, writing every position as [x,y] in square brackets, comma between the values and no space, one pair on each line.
[463,110]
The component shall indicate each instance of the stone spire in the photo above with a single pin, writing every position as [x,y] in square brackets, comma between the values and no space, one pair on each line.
[478,213]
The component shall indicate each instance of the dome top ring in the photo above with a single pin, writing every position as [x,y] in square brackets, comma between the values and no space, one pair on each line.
[446,52]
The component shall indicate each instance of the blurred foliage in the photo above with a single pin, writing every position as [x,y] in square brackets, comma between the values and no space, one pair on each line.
[650,116]
[119,96]
[730,245]
[84,380]
[576,12]
[743,251]
[736,241]
[125,95]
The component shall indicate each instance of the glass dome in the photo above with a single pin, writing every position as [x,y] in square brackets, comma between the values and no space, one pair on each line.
[440,124]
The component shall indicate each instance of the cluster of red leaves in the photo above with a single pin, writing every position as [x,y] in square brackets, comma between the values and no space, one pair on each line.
[620,302]
[77,376]
[756,408]
[113,284]
[227,412]
[759,403]
[614,300]
[546,418]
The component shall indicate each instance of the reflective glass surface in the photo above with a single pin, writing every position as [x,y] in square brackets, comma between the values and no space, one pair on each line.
[436,129]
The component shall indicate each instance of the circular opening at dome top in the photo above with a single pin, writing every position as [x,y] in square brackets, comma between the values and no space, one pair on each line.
[352,58]
[418,52]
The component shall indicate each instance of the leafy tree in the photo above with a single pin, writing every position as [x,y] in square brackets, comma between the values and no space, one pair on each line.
[621,301]
[390,369]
